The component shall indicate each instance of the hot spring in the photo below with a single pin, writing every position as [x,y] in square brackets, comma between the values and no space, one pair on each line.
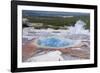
[55,42]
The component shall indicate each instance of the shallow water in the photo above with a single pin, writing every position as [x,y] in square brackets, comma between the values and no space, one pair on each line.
[55,42]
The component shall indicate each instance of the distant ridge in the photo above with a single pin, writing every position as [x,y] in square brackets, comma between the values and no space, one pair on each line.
[51,13]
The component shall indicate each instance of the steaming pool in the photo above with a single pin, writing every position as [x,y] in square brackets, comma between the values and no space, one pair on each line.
[55,42]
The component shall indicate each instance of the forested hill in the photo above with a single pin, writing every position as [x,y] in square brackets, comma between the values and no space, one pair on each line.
[58,21]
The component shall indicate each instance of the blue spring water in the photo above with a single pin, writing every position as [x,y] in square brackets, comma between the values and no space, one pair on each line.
[55,42]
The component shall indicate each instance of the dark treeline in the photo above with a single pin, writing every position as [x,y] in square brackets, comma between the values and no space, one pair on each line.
[57,22]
